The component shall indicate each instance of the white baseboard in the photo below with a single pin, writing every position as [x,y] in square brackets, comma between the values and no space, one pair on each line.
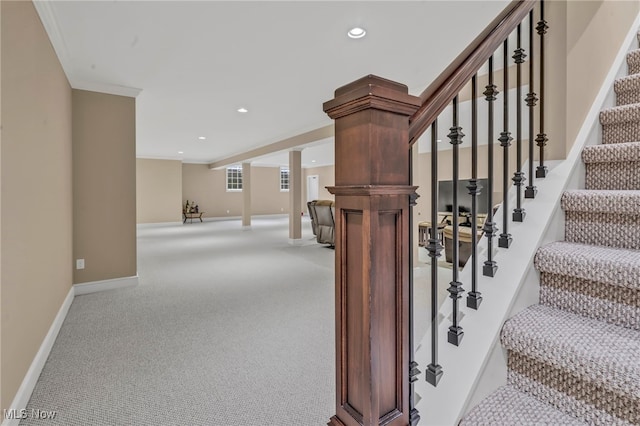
[23,395]
[104,285]
[156,224]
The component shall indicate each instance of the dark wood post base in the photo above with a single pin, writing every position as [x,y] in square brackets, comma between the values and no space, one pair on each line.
[335,422]
[372,251]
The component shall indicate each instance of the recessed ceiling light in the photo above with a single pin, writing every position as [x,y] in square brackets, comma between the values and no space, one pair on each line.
[439,140]
[201,138]
[313,161]
[356,32]
[180,152]
[243,110]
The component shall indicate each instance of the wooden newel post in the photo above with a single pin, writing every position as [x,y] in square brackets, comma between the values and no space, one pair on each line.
[372,251]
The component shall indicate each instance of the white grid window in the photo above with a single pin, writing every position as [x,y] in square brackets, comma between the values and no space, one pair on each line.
[284,179]
[234,178]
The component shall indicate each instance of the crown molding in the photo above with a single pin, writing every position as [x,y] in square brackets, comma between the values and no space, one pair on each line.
[50,24]
[110,89]
[49,21]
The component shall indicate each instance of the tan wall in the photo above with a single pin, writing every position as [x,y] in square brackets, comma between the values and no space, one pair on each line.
[583,39]
[159,190]
[208,188]
[266,197]
[326,177]
[104,185]
[594,37]
[36,229]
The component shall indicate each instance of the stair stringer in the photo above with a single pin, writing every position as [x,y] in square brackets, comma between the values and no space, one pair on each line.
[478,366]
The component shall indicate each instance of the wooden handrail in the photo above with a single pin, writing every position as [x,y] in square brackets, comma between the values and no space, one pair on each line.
[441,92]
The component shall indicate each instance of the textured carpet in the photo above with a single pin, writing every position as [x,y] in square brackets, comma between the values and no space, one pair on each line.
[575,357]
[227,327]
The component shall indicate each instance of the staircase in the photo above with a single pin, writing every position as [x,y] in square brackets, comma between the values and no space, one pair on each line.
[575,358]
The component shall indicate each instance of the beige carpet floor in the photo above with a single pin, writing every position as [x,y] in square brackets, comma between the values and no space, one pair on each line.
[227,327]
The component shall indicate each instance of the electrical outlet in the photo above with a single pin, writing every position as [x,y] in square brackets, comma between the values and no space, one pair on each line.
[79,263]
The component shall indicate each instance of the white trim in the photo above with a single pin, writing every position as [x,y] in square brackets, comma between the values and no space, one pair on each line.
[50,24]
[108,88]
[296,241]
[151,224]
[104,285]
[23,395]
[159,157]
[464,365]
[246,227]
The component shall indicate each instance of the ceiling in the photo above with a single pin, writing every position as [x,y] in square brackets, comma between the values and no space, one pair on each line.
[192,64]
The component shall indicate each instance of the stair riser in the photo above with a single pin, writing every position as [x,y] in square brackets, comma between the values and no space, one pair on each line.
[616,175]
[603,229]
[627,131]
[628,97]
[571,395]
[613,304]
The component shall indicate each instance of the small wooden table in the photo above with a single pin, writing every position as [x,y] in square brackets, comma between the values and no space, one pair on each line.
[186,216]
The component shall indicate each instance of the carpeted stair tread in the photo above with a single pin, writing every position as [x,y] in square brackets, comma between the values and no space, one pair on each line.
[620,114]
[620,124]
[613,266]
[613,166]
[633,62]
[602,217]
[627,89]
[604,354]
[602,201]
[618,152]
[507,406]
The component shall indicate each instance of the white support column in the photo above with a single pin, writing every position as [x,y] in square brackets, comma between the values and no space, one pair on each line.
[295,197]
[246,196]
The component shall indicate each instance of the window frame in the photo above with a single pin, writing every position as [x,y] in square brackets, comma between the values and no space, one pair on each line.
[285,170]
[234,183]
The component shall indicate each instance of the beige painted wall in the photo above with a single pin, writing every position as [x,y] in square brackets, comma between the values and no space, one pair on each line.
[326,177]
[2,405]
[583,39]
[208,188]
[36,216]
[592,44]
[159,190]
[266,197]
[104,185]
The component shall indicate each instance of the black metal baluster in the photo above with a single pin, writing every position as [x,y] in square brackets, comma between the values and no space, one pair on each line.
[474,297]
[518,176]
[454,336]
[434,370]
[490,266]
[531,191]
[541,140]
[505,142]
[414,415]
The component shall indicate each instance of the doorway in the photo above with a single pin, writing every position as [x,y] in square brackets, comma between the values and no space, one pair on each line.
[312,187]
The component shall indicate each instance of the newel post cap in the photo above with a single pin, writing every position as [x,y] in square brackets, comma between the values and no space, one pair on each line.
[372,92]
